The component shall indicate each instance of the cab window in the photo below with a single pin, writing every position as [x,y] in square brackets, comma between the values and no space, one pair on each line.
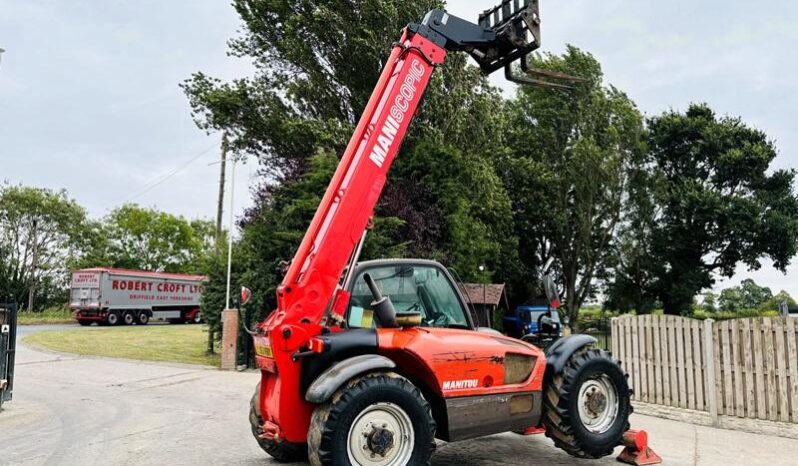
[413,288]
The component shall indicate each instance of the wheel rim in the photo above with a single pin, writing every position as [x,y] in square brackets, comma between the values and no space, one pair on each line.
[381,435]
[144,318]
[128,319]
[112,319]
[598,404]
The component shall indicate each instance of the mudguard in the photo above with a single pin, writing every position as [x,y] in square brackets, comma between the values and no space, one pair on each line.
[335,377]
[557,354]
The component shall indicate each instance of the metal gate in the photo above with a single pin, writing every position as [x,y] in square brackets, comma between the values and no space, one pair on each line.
[8,342]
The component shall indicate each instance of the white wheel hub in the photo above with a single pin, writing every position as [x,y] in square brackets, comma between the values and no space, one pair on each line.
[598,404]
[381,435]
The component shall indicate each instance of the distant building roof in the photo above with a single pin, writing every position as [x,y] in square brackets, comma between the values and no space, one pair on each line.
[478,293]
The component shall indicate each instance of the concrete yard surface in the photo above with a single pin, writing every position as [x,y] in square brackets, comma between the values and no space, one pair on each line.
[69,410]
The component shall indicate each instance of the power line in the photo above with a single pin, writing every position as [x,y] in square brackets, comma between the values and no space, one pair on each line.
[158,181]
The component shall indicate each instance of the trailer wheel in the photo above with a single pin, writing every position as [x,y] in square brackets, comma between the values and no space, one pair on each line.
[283,452]
[586,408]
[112,318]
[143,318]
[379,419]
[128,318]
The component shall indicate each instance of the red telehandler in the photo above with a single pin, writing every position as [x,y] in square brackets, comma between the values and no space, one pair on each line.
[367,363]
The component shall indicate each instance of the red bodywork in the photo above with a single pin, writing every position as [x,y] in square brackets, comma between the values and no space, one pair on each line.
[449,363]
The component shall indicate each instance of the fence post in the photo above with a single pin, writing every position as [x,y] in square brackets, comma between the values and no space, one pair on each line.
[709,358]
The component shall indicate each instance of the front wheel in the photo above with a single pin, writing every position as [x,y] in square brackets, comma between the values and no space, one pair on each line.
[379,419]
[586,408]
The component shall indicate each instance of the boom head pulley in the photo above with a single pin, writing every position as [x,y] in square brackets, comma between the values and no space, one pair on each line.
[502,35]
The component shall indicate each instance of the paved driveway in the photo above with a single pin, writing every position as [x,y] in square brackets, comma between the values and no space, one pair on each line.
[70,410]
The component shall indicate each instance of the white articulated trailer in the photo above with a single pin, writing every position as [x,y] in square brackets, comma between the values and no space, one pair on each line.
[119,296]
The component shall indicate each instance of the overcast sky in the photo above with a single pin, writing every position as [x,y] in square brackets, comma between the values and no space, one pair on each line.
[89,96]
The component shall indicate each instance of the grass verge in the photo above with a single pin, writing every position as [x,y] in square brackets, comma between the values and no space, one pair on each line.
[56,315]
[165,343]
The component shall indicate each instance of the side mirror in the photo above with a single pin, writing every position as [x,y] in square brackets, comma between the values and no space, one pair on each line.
[551,291]
[246,293]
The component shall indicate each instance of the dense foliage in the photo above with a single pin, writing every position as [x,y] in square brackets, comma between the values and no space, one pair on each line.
[41,231]
[45,234]
[140,238]
[709,201]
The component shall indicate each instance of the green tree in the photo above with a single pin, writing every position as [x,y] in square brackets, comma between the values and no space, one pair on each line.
[315,62]
[567,171]
[710,302]
[40,232]
[141,238]
[718,203]
[773,303]
[748,295]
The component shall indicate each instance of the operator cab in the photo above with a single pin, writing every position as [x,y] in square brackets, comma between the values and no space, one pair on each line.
[414,286]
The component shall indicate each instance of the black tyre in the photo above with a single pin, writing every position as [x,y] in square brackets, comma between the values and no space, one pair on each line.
[84,323]
[128,318]
[112,318]
[283,452]
[143,318]
[586,408]
[378,418]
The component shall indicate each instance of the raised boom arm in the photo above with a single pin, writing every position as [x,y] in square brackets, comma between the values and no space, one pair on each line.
[504,34]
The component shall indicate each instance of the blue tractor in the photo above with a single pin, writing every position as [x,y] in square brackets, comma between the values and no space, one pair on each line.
[524,320]
[537,324]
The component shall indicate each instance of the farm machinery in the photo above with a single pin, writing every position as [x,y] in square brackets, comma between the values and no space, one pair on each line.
[368,363]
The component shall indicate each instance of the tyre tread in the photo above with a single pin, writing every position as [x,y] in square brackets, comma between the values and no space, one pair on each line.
[556,397]
[325,418]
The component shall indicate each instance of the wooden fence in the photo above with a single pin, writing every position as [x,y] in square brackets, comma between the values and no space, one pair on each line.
[747,368]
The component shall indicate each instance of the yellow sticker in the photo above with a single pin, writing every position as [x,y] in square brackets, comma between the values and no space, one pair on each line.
[368,319]
[263,350]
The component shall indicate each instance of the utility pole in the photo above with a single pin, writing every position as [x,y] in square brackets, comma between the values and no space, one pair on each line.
[220,205]
[34,260]
[219,213]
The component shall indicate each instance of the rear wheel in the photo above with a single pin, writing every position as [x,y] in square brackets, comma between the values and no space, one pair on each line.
[378,419]
[128,318]
[586,408]
[283,452]
[143,318]
[112,318]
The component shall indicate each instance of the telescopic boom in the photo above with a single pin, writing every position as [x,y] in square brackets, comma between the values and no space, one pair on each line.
[504,34]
